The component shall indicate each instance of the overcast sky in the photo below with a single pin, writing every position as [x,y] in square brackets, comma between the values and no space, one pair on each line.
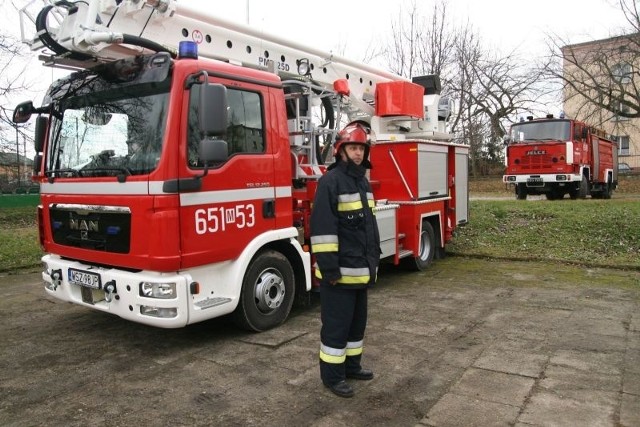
[352,24]
[348,27]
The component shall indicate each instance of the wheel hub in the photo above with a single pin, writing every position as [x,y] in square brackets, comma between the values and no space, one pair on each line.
[269,291]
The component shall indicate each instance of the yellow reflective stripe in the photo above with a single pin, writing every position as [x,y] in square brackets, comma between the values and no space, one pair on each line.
[354,351]
[332,355]
[324,247]
[349,206]
[350,276]
[354,280]
[354,276]
[354,348]
[332,359]
[372,203]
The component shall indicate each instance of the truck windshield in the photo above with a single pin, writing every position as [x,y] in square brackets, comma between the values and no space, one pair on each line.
[552,130]
[104,126]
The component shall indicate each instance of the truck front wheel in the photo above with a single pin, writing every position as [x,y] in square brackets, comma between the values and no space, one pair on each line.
[584,188]
[267,292]
[521,192]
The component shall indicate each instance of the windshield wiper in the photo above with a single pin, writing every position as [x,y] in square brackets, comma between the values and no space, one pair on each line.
[62,173]
[122,176]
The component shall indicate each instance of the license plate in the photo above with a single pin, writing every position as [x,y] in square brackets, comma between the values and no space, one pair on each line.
[534,180]
[84,278]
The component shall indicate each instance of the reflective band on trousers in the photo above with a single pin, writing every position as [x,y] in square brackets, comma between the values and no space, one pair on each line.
[332,355]
[354,348]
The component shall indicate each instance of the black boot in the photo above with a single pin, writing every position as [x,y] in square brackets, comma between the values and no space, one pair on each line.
[362,374]
[341,389]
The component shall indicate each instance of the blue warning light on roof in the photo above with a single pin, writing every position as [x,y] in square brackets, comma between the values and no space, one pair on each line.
[188,49]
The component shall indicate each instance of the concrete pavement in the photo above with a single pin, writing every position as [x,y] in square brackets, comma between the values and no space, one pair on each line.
[466,343]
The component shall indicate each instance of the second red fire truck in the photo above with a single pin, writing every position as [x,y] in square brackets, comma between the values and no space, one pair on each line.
[559,156]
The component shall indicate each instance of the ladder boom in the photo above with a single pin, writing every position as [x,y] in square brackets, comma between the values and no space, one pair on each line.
[166,22]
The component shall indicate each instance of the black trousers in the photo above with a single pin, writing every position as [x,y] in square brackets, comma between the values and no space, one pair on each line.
[344,319]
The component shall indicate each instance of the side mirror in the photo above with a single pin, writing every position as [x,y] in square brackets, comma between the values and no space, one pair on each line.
[23,111]
[37,164]
[506,140]
[213,112]
[42,125]
[213,151]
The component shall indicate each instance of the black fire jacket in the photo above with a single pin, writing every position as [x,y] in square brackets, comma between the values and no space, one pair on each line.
[344,232]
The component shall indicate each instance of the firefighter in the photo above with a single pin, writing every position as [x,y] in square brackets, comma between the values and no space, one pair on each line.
[346,243]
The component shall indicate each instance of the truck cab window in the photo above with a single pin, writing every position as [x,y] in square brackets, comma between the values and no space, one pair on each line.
[245,130]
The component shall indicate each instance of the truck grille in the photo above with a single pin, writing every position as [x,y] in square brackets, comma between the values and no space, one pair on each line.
[100,228]
[537,162]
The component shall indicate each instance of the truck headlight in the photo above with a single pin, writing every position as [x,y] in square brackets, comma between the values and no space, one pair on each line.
[158,290]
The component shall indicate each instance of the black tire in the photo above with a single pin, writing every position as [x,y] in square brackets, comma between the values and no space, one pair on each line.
[521,192]
[584,188]
[426,250]
[573,193]
[608,190]
[267,293]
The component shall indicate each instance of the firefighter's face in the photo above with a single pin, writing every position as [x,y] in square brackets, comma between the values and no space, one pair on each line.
[355,152]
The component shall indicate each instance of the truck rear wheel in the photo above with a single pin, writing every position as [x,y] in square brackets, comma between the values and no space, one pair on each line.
[426,250]
[267,292]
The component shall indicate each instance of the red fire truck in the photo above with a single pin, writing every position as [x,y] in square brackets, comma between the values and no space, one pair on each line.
[558,156]
[177,187]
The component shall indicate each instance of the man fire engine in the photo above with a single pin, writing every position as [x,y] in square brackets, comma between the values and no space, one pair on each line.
[177,187]
[558,156]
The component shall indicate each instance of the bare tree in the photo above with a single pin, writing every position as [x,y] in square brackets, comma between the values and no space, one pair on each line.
[600,79]
[421,45]
[488,88]
[13,81]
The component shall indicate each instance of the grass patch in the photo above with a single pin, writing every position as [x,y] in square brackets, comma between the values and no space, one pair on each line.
[589,232]
[20,248]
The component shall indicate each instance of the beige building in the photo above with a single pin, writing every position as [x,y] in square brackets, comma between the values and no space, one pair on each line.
[609,66]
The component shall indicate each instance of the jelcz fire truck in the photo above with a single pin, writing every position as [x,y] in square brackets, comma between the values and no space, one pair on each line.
[559,156]
[177,187]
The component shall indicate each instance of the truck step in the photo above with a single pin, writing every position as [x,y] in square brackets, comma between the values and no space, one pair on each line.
[404,253]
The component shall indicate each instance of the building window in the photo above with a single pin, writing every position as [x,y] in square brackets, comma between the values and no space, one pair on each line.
[619,108]
[623,145]
[621,72]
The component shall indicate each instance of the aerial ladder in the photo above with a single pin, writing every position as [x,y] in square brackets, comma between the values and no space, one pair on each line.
[82,34]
